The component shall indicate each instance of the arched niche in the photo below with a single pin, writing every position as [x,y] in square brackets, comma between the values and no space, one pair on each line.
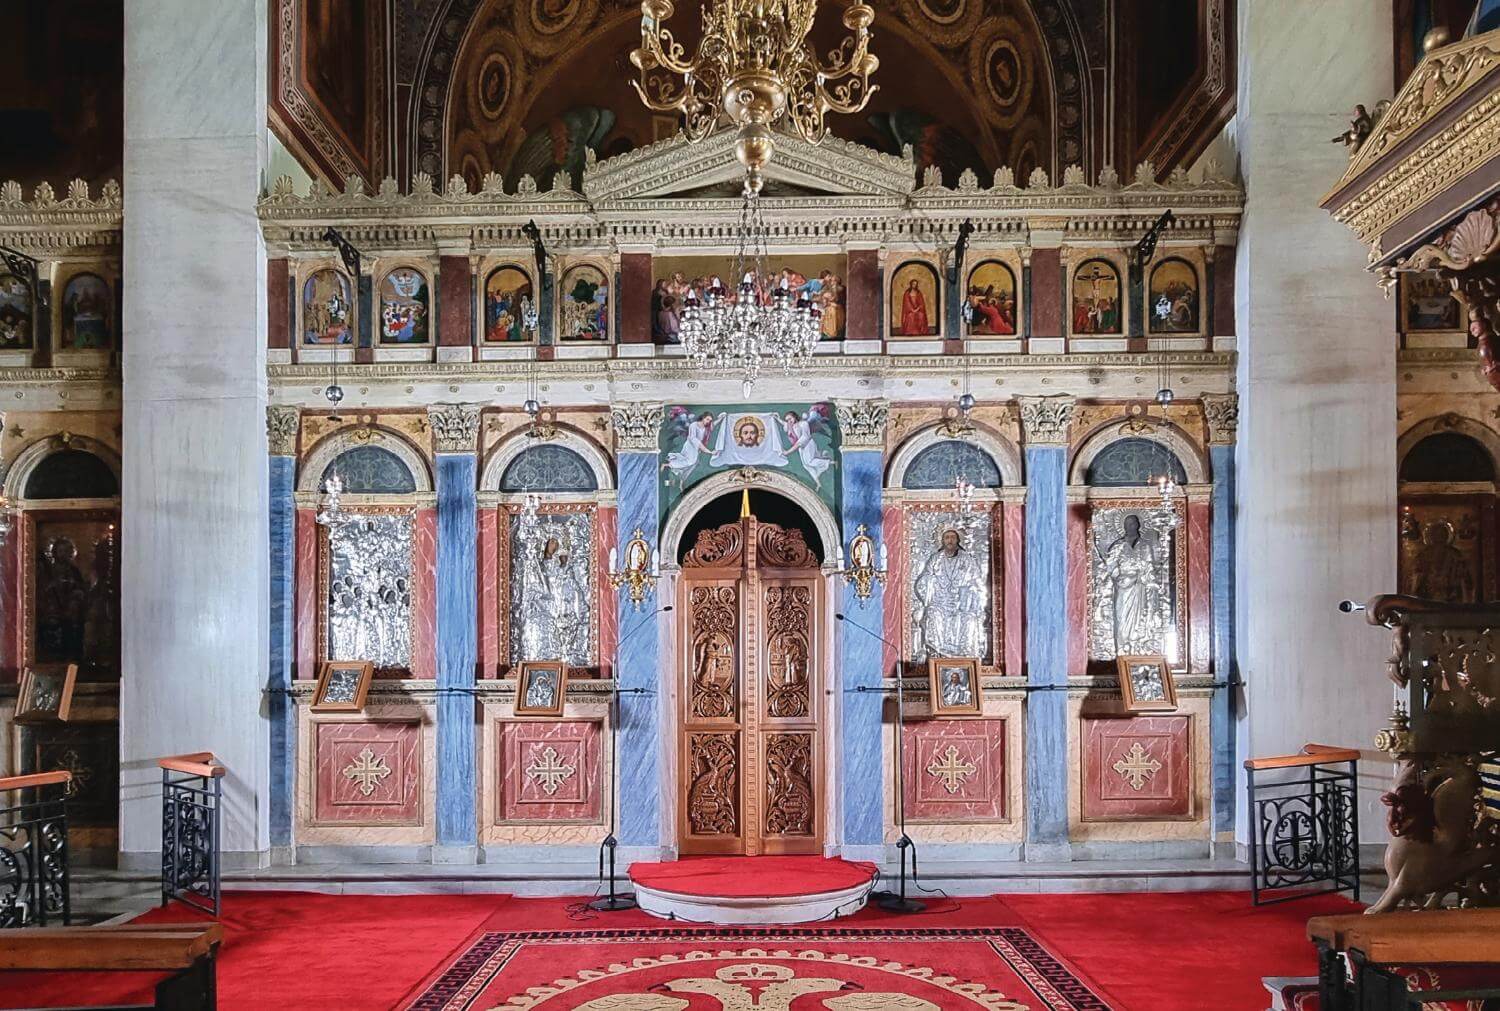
[334,446]
[49,464]
[1448,444]
[767,506]
[732,482]
[504,457]
[1001,452]
[1174,439]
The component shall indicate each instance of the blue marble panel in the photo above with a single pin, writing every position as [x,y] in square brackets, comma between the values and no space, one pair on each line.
[457,647]
[1046,644]
[283,509]
[1221,714]
[639,666]
[861,655]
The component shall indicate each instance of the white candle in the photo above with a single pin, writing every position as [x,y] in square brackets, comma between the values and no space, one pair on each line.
[614,558]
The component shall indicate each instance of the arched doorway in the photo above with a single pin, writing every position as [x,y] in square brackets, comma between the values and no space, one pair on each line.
[750,713]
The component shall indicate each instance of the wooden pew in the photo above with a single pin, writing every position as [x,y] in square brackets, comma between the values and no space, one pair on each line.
[186,950]
[1373,943]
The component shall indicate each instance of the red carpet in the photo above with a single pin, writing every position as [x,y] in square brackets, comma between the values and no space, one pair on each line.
[752,877]
[1133,952]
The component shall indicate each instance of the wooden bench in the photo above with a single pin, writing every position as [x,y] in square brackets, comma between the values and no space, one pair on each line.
[1359,956]
[186,950]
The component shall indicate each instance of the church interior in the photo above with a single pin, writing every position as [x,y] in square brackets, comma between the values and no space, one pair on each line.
[750,504]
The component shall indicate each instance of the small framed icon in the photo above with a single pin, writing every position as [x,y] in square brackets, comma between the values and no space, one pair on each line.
[542,688]
[954,685]
[45,696]
[1146,684]
[342,686]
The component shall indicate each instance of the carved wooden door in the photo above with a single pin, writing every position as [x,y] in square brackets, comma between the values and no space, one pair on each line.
[750,695]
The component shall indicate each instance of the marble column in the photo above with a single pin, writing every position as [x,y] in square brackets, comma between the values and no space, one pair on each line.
[1315,480]
[282,427]
[1044,423]
[861,654]
[455,431]
[642,823]
[195,545]
[1222,414]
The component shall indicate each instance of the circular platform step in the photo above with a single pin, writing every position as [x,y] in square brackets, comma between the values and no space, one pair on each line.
[752,890]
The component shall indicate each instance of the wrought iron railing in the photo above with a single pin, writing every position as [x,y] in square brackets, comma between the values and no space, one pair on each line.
[192,797]
[1304,824]
[34,882]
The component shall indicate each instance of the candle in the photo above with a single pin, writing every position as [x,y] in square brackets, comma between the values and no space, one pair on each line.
[614,558]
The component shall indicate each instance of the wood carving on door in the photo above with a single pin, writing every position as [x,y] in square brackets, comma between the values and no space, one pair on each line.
[750,698]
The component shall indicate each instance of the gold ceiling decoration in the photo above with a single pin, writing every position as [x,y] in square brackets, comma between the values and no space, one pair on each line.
[756,66]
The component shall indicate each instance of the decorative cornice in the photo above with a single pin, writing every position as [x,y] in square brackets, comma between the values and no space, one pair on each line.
[862,423]
[1045,420]
[1221,412]
[455,427]
[637,426]
[282,427]
[46,224]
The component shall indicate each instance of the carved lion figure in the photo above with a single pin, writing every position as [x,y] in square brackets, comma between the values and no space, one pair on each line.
[1435,847]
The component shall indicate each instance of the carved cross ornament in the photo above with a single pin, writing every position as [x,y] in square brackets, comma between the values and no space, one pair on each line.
[366,772]
[548,770]
[862,423]
[951,769]
[1045,420]
[636,426]
[455,427]
[1137,766]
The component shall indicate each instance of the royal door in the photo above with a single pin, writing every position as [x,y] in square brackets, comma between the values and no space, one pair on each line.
[750,695]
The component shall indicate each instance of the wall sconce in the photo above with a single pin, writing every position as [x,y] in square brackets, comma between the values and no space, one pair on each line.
[642,567]
[866,567]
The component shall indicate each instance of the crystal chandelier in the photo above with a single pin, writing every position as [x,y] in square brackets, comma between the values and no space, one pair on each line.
[744,328]
[754,65]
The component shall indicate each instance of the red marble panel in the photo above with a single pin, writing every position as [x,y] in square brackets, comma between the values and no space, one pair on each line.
[424,596]
[605,535]
[1013,552]
[1200,587]
[1078,588]
[368,773]
[954,771]
[305,579]
[11,624]
[1046,293]
[489,593]
[455,302]
[1137,769]
[1223,293]
[893,533]
[278,309]
[634,293]
[863,295]
[548,772]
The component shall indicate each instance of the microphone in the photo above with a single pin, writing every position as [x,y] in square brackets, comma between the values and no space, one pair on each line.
[1349,606]
[872,634]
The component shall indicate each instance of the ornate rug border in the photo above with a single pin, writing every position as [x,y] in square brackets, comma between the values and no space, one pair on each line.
[491,951]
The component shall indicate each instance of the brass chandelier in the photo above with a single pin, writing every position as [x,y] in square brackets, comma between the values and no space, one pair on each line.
[755,66]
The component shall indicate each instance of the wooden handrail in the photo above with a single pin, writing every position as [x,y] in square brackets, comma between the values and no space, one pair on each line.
[1311,754]
[35,779]
[125,947]
[1447,945]
[1337,930]
[198,763]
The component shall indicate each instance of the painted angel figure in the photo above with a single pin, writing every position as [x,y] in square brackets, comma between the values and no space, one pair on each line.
[695,433]
[800,430]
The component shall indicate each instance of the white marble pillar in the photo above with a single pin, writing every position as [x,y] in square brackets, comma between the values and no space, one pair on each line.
[1316,480]
[194,569]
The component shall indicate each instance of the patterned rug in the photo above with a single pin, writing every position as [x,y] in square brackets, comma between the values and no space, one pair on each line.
[758,969]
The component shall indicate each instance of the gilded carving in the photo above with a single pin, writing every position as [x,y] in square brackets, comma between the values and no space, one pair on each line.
[713,785]
[784,548]
[636,426]
[862,423]
[951,769]
[282,426]
[714,615]
[1045,420]
[789,790]
[789,637]
[1137,767]
[455,427]
[548,770]
[716,548]
[367,772]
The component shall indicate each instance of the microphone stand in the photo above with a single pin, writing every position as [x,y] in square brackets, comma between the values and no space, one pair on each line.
[615,902]
[896,902]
